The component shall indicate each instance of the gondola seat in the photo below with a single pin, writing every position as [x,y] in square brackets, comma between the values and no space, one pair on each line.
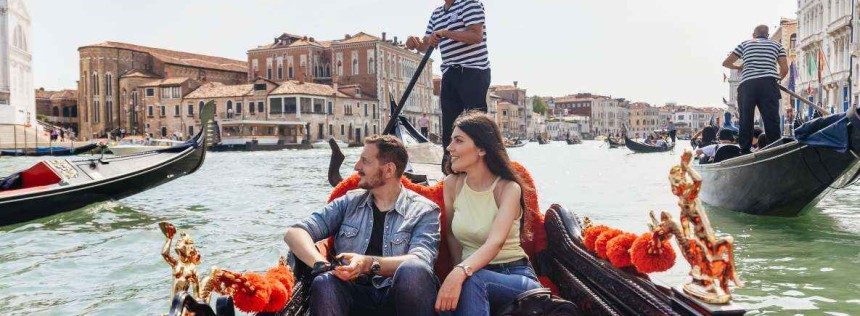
[726,152]
[39,175]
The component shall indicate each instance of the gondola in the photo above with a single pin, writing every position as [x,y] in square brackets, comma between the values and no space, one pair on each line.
[614,144]
[51,151]
[638,147]
[574,141]
[55,186]
[516,143]
[786,177]
[543,141]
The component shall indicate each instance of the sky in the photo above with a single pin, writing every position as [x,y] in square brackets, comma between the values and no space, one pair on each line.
[654,51]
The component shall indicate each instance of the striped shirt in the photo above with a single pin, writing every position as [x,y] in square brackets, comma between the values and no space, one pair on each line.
[760,58]
[461,14]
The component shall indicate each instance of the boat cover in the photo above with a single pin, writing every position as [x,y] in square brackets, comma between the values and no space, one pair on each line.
[830,132]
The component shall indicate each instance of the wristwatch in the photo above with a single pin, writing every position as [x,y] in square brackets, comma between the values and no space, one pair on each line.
[375,266]
[466,269]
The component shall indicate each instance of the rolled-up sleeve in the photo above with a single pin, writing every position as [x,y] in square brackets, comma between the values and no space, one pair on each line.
[323,223]
[425,237]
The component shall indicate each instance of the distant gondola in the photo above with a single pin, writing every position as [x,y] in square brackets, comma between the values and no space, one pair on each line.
[784,178]
[643,148]
[50,151]
[516,143]
[574,141]
[55,186]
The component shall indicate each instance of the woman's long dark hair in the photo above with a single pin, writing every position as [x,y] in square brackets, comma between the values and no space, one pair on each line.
[486,135]
[709,136]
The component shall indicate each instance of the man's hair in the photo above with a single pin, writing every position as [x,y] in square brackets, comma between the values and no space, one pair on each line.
[391,150]
[761,30]
[726,134]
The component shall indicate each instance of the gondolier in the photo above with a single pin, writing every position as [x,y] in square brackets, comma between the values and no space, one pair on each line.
[672,130]
[758,85]
[457,27]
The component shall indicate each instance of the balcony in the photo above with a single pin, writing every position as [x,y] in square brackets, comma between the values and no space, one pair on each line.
[839,23]
[810,39]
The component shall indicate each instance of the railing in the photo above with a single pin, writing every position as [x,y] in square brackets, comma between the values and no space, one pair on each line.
[28,140]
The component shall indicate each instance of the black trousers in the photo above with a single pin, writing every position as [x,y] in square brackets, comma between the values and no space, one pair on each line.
[424,131]
[462,89]
[672,135]
[764,94]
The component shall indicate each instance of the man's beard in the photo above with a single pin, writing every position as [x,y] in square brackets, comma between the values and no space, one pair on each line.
[369,182]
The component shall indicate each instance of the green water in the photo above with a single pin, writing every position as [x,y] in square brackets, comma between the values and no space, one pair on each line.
[105,259]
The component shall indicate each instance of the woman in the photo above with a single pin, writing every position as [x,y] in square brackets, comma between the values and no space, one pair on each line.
[484,208]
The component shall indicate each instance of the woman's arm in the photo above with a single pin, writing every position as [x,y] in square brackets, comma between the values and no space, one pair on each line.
[449,193]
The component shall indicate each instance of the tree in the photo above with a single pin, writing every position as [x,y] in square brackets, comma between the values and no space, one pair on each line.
[539,106]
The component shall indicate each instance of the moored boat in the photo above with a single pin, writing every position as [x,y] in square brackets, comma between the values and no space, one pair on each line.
[138,144]
[51,151]
[55,186]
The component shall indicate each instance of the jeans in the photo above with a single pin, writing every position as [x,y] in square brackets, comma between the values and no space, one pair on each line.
[412,292]
[487,291]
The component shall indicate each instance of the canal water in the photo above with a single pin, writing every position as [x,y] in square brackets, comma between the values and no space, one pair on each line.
[105,259]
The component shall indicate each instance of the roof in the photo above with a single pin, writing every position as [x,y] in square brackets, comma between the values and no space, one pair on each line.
[139,73]
[504,88]
[166,82]
[298,87]
[181,58]
[57,95]
[359,37]
[220,90]
[258,122]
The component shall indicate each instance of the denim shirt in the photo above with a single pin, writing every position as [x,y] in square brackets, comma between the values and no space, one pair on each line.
[412,227]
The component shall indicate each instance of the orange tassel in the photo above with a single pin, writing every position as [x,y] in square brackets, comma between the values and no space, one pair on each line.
[283,276]
[648,256]
[602,239]
[252,293]
[277,297]
[591,235]
[618,250]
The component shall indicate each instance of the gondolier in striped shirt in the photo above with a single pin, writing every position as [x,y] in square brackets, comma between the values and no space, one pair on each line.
[759,86]
[457,28]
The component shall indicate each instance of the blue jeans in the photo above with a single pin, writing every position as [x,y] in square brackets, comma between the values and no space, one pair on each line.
[490,289]
[412,292]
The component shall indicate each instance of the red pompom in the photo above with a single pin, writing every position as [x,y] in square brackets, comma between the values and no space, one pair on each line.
[547,283]
[618,250]
[282,275]
[649,256]
[591,235]
[277,297]
[602,239]
[255,300]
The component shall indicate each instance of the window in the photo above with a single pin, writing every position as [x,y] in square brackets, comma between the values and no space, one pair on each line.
[341,129]
[150,92]
[108,85]
[319,106]
[365,109]
[371,65]
[261,107]
[259,87]
[355,66]
[191,131]
[375,114]
[306,105]
[277,106]
[290,105]
[238,107]
[108,110]
[149,111]
[190,109]
[176,111]
[339,68]
[290,72]
[163,131]
[74,111]
[55,111]
[251,107]
[331,129]
[200,108]
[95,83]
[163,111]
[170,93]
[280,73]
[330,109]
[96,112]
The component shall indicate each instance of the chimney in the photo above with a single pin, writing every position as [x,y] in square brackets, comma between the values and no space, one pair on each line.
[312,39]
[395,40]
[515,84]
[383,36]
[346,36]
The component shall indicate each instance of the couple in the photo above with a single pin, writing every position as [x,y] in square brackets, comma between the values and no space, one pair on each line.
[387,237]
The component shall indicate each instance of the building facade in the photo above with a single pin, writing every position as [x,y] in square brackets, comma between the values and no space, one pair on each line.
[643,119]
[17,95]
[823,49]
[110,97]
[58,108]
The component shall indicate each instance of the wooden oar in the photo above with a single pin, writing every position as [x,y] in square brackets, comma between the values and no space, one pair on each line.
[389,128]
[805,101]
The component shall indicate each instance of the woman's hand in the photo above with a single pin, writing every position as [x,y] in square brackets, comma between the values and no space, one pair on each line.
[449,293]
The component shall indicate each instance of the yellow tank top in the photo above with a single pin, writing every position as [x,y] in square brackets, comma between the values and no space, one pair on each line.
[474,213]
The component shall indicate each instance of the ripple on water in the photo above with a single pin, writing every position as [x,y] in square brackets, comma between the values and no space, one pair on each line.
[104,259]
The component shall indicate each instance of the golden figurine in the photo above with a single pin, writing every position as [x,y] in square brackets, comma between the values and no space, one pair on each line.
[185,266]
[711,258]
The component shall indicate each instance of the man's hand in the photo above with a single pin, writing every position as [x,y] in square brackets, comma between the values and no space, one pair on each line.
[434,38]
[413,42]
[358,265]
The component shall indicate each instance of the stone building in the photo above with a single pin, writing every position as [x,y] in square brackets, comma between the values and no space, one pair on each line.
[109,94]
[824,42]
[17,95]
[643,119]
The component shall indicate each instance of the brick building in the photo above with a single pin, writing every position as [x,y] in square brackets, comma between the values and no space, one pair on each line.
[377,66]
[111,73]
[59,108]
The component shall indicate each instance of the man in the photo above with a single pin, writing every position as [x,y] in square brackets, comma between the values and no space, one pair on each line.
[726,137]
[386,236]
[758,84]
[424,124]
[673,131]
[457,27]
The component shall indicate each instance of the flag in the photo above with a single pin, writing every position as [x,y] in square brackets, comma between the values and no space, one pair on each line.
[792,76]
[820,64]
[809,89]
[724,77]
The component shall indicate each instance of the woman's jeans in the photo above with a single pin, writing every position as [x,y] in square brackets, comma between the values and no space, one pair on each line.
[492,288]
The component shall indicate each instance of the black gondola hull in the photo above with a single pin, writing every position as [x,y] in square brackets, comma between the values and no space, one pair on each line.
[642,148]
[781,181]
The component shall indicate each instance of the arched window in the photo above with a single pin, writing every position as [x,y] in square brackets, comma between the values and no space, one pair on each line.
[65,111]
[108,84]
[163,131]
[354,66]
[339,68]
[55,111]
[371,65]
[95,83]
